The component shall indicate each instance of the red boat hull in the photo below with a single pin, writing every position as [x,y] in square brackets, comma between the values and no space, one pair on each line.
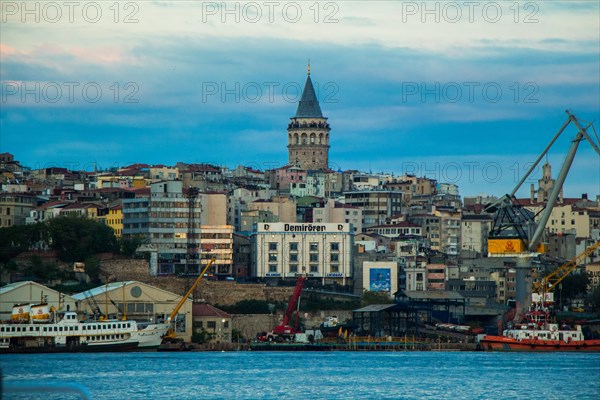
[501,343]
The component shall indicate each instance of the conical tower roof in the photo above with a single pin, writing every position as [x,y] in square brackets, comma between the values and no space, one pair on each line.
[309,105]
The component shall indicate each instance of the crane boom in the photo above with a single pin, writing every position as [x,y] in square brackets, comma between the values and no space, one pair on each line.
[171,336]
[189,292]
[292,304]
[556,188]
[549,282]
[514,229]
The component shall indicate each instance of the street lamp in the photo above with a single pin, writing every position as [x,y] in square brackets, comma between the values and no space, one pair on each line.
[222,330]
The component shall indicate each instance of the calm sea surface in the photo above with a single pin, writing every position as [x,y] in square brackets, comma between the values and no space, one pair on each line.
[327,375]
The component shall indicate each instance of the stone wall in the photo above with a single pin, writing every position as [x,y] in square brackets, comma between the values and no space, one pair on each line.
[213,292]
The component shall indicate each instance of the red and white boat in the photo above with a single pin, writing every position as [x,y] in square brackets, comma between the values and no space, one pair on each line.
[539,335]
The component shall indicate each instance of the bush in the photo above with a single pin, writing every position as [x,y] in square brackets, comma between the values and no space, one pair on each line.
[247,307]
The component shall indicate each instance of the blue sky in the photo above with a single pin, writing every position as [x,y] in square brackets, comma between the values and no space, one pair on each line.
[467,96]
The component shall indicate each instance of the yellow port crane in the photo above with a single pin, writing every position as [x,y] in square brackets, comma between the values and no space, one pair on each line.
[171,336]
[550,281]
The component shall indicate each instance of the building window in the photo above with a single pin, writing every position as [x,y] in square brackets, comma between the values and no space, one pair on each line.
[226,324]
[272,267]
[294,246]
[272,246]
[314,268]
[334,257]
[294,257]
[335,268]
[314,246]
[211,325]
[335,246]
[272,257]
[314,257]
[293,267]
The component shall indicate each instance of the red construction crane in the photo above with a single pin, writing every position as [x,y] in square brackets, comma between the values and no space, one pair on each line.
[284,331]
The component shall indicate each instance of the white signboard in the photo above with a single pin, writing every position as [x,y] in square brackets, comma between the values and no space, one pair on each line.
[548,298]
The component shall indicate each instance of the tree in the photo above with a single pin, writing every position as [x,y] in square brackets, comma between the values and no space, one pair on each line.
[573,286]
[593,298]
[128,245]
[77,238]
[19,238]
[369,298]
[92,269]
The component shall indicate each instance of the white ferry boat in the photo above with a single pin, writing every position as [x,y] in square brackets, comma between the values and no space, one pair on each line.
[46,330]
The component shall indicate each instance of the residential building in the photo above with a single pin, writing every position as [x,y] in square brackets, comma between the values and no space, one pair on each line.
[436,276]
[283,208]
[217,243]
[15,208]
[215,322]
[114,219]
[403,228]
[377,205]
[335,212]
[163,218]
[474,231]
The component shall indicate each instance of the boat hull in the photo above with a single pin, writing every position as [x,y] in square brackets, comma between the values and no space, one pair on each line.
[501,343]
[83,348]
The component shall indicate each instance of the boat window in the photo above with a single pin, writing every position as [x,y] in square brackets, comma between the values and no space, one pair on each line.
[2,329]
[31,329]
[55,329]
[45,329]
[37,328]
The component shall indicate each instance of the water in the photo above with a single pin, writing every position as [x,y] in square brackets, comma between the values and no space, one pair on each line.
[312,375]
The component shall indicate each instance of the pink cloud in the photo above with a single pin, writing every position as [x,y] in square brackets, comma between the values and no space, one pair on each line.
[49,54]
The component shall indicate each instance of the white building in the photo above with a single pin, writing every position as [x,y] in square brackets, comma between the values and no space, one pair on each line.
[474,233]
[380,276]
[335,212]
[287,250]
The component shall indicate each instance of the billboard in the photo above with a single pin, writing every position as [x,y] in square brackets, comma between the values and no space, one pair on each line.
[380,280]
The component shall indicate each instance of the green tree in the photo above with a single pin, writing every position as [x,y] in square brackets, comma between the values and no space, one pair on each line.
[128,245]
[573,286]
[247,307]
[369,298]
[77,238]
[19,238]
[593,299]
[92,269]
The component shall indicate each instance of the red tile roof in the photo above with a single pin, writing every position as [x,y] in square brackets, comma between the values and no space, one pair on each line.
[206,310]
